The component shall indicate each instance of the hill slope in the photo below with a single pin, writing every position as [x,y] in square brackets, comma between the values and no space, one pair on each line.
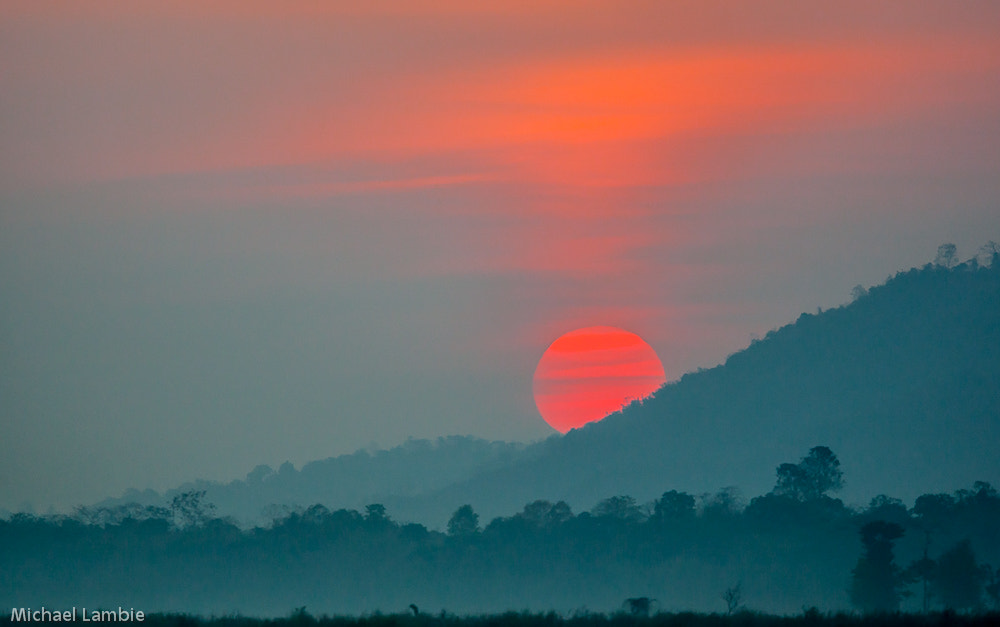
[346,481]
[903,384]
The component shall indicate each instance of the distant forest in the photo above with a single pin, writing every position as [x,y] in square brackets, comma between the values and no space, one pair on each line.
[793,548]
[903,383]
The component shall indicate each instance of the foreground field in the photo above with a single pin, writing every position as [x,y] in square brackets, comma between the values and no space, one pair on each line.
[810,617]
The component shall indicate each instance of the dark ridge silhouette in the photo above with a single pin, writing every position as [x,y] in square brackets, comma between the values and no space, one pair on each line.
[413,468]
[904,383]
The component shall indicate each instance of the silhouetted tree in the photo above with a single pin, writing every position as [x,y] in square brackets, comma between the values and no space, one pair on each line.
[189,510]
[877,581]
[674,505]
[988,254]
[316,514]
[887,508]
[923,570]
[818,473]
[376,513]
[619,508]
[993,587]
[733,596]
[958,580]
[259,473]
[639,606]
[947,256]
[981,493]
[300,616]
[725,503]
[464,522]
[933,510]
[545,514]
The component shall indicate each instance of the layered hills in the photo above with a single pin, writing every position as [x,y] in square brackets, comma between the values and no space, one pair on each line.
[903,384]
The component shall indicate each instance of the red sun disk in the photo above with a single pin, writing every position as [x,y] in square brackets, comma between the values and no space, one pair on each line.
[589,373]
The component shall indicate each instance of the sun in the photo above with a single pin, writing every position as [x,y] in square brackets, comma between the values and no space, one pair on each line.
[589,373]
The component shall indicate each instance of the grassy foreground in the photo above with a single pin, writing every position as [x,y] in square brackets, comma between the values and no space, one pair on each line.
[525,619]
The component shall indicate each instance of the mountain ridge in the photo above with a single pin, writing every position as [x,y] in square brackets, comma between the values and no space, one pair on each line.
[903,384]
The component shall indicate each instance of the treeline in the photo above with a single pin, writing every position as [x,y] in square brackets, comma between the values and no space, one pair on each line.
[794,547]
[415,467]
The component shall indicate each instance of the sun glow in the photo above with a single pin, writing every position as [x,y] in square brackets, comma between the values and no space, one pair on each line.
[589,373]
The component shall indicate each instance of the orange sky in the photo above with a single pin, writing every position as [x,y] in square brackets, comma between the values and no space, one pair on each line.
[180,88]
[435,191]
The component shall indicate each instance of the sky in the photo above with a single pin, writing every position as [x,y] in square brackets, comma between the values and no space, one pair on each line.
[237,233]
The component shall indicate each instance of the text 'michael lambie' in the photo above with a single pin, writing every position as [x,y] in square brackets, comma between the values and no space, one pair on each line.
[44,615]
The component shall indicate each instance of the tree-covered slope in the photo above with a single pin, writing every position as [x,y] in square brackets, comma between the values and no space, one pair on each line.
[903,384]
[355,480]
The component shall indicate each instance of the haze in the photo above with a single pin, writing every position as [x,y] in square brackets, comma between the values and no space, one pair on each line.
[242,234]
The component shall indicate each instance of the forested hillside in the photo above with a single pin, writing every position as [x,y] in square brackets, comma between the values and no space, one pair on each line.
[904,383]
[413,468]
